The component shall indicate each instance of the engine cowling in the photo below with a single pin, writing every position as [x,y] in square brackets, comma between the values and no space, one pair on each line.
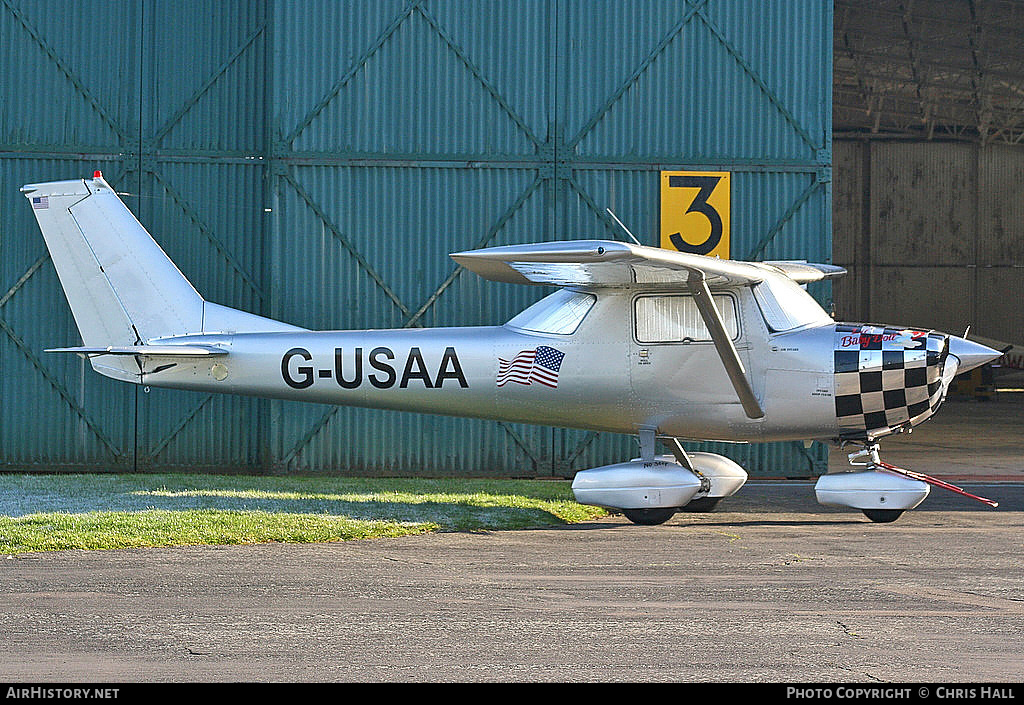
[888,379]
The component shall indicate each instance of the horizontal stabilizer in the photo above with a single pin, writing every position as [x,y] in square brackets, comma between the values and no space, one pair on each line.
[147,350]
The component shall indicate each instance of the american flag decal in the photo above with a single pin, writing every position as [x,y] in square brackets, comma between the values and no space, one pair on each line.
[40,202]
[540,365]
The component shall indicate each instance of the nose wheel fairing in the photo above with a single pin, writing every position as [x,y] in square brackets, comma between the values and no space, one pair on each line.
[871,491]
[881,490]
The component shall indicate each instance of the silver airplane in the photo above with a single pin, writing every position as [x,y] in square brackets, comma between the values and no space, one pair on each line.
[662,345]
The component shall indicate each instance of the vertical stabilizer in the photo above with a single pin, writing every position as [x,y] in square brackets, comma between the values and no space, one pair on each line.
[121,287]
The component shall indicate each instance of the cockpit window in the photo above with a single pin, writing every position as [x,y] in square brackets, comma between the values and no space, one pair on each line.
[785,305]
[676,318]
[561,313]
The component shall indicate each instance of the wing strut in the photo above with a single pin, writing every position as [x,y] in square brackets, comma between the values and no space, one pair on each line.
[723,343]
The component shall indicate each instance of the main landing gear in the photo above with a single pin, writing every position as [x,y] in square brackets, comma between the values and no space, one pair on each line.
[649,490]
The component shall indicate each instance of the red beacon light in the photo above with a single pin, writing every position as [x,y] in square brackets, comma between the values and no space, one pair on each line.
[97,174]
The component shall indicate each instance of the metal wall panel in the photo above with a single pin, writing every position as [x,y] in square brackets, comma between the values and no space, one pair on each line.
[940,227]
[850,244]
[726,81]
[200,185]
[936,231]
[998,306]
[367,246]
[316,162]
[53,102]
[57,119]
[387,79]
[997,311]
[203,78]
[54,412]
[1000,206]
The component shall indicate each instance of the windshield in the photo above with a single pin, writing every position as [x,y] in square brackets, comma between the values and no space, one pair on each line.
[785,305]
[560,313]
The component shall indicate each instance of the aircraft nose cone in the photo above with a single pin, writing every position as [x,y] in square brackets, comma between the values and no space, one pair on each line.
[971,354]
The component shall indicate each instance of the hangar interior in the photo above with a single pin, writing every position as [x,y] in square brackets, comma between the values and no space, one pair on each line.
[928,181]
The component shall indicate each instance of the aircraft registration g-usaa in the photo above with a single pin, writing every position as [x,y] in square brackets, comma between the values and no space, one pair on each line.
[664,345]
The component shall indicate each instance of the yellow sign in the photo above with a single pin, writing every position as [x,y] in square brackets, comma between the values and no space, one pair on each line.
[695,212]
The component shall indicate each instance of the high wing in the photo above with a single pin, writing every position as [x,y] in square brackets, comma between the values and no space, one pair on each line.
[606,263]
[609,263]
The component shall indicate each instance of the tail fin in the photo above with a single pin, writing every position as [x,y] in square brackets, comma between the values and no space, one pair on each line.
[122,288]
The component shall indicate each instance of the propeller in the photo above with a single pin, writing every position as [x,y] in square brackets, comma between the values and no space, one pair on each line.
[949,372]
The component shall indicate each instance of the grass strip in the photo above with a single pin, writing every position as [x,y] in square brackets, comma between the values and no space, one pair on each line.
[63,512]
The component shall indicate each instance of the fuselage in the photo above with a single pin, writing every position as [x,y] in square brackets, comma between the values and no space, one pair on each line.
[610,362]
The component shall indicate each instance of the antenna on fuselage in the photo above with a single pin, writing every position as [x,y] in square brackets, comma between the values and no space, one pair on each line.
[622,226]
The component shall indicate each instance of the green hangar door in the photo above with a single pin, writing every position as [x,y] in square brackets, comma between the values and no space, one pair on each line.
[316,162]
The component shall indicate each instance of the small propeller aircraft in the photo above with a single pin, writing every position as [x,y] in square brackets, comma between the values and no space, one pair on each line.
[663,345]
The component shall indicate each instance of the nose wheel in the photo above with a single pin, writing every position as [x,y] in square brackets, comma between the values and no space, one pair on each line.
[882,516]
[650,517]
[869,452]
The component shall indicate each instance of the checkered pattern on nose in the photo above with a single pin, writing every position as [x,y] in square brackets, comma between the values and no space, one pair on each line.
[886,377]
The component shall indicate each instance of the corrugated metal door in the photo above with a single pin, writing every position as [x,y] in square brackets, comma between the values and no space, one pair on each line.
[316,163]
[200,172]
[411,130]
[426,128]
[57,118]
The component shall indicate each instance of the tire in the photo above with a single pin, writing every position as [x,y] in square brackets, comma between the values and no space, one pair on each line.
[650,517]
[882,516]
[704,504]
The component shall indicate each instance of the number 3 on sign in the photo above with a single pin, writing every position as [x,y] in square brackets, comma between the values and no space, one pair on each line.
[695,212]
